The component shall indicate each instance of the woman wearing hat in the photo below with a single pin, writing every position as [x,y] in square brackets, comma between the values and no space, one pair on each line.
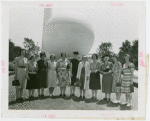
[107,79]
[32,81]
[83,75]
[116,85]
[42,72]
[51,76]
[127,81]
[74,68]
[21,74]
[63,71]
[94,76]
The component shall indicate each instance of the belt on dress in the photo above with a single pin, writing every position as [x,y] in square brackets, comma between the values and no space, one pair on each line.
[32,70]
[21,66]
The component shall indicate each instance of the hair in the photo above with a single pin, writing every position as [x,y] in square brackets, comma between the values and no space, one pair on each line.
[41,54]
[127,55]
[22,50]
[52,55]
[32,56]
[62,54]
[83,56]
[95,55]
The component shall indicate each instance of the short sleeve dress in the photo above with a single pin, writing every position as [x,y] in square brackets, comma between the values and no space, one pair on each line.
[127,75]
[42,73]
[51,76]
[21,71]
[75,64]
[107,79]
[63,73]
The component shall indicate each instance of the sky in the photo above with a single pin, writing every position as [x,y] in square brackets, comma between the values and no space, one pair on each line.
[109,23]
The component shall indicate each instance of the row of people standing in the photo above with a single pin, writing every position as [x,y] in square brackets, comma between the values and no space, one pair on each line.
[45,74]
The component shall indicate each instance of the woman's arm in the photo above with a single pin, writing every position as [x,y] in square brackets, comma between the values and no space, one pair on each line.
[78,70]
[120,69]
[101,70]
[16,67]
[132,72]
[27,68]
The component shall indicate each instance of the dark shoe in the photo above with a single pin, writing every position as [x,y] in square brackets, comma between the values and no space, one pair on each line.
[73,94]
[17,100]
[104,98]
[42,95]
[92,98]
[80,97]
[21,99]
[39,96]
[83,97]
[32,97]
[65,95]
[60,95]
[108,99]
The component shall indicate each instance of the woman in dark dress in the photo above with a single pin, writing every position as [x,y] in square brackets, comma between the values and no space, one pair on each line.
[32,81]
[74,68]
[42,72]
[94,76]
[107,79]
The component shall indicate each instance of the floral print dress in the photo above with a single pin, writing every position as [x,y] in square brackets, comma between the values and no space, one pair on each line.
[63,72]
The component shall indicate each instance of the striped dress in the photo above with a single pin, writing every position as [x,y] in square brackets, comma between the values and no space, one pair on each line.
[127,75]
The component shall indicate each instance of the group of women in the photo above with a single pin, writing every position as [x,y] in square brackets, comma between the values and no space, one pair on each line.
[49,74]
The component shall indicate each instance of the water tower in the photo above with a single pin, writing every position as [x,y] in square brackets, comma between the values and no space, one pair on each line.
[65,35]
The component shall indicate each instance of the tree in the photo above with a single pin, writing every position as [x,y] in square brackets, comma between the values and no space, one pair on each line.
[30,47]
[11,50]
[104,48]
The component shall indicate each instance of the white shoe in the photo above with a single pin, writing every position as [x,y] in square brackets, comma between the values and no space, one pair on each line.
[116,101]
[50,95]
[128,105]
[124,103]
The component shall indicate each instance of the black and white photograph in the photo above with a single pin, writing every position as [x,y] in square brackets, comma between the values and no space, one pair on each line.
[75,56]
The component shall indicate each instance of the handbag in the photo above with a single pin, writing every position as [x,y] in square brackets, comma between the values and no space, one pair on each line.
[77,83]
[15,83]
[118,84]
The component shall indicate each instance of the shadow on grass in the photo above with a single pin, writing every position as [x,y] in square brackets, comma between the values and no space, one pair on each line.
[102,102]
[66,98]
[76,99]
[111,104]
[124,107]
[91,100]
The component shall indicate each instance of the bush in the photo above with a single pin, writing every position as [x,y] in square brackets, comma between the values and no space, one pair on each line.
[11,66]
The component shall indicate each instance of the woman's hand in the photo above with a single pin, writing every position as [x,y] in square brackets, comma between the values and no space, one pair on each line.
[15,77]
[96,71]
[104,73]
[28,77]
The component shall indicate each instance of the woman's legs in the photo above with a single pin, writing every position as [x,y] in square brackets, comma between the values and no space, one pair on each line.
[42,91]
[74,89]
[29,92]
[129,98]
[96,94]
[21,91]
[93,93]
[71,90]
[17,93]
[81,92]
[118,95]
[105,95]
[51,90]
[39,92]
[64,90]
[33,92]
[84,92]
[61,90]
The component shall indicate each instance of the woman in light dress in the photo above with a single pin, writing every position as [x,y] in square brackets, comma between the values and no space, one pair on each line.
[63,73]
[83,75]
[116,85]
[94,76]
[127,81]
[20,74]
[51,76]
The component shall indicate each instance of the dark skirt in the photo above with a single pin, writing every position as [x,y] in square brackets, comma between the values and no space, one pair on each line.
[107,83]
[95,81]
[82,78]
[73,78]
[42,77]
[33,82]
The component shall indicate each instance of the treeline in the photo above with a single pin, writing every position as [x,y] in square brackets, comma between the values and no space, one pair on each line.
[126,48]
[29,46]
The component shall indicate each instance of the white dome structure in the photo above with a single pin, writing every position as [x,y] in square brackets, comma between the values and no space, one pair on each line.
[65,35]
